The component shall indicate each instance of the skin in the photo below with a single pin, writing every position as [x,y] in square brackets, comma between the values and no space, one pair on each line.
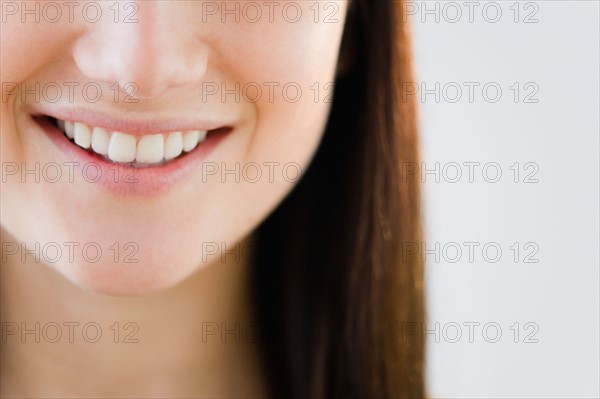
[174,290]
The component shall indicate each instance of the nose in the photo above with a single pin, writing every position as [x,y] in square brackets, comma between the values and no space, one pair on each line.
[148,54]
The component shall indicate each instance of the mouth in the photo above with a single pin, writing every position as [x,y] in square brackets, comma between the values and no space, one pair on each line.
[132,158]
[134,150]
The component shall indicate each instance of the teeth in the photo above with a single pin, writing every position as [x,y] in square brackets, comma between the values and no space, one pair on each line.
[100,140]
[69,129]
[150,149]
[121,147]
[83,136]
[192,138]
[173,145]
[125,148]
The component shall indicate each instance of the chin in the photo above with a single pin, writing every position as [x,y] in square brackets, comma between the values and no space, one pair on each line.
[150,275]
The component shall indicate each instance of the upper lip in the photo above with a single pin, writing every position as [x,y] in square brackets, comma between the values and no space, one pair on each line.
[139,126]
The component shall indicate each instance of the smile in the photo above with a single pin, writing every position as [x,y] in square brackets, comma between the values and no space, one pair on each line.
[142,150]
[132,157]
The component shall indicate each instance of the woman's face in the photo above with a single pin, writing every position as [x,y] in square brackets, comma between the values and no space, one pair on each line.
[133,212]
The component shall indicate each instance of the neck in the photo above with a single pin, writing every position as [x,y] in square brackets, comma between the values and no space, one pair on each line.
[192,340]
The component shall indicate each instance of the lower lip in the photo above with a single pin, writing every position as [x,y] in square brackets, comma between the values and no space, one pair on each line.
[124,179]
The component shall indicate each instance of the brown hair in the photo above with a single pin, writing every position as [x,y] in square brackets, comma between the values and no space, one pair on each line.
[332,288]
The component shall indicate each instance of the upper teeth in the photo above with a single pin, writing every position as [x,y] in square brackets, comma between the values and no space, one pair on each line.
[121,147]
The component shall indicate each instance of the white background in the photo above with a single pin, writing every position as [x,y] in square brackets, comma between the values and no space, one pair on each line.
[558,135]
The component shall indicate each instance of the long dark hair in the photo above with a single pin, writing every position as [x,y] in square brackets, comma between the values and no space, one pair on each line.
[332,288]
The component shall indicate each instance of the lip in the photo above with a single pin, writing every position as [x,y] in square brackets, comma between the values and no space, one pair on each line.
[134,127]
[125,179]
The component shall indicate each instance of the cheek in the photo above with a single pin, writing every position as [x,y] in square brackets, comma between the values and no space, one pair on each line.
[296,87]
[288,70]
[27,46]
